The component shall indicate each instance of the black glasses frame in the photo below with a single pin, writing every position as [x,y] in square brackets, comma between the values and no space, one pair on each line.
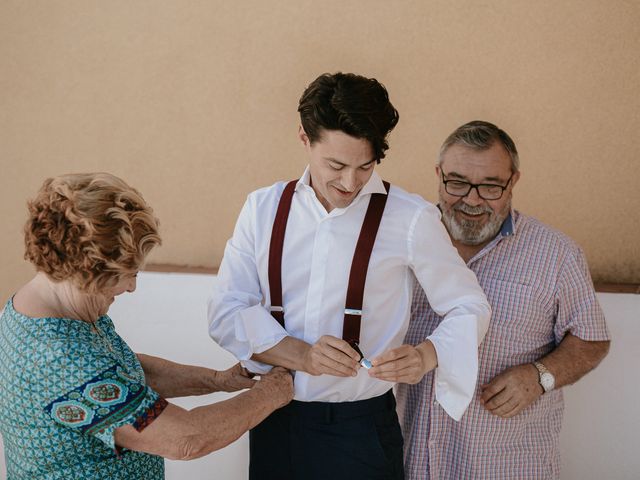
[476,186]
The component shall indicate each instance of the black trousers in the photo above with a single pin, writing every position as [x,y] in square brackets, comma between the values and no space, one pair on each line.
[329,441]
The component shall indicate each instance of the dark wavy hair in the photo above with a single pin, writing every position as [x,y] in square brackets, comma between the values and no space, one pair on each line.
[355,105]
[91,229]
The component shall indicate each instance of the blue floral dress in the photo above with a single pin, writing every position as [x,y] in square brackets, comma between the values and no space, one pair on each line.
[65,386]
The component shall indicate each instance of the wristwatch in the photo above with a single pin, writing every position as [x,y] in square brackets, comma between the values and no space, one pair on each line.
[545,377]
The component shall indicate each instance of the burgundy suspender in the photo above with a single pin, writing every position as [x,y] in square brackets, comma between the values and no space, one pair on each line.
[275,251]
[359,265]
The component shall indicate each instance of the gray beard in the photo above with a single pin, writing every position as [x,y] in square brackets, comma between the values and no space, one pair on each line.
[469,232]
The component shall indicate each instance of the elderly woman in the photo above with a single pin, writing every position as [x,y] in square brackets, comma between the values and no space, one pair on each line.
[75,401]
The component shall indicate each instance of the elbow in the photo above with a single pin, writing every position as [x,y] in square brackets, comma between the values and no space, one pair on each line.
[598,350]
[187,448]
[194,446]
[603,351]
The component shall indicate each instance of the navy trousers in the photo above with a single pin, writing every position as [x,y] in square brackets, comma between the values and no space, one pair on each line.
[329,441]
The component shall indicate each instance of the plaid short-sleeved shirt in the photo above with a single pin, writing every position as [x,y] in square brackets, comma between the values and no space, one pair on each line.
[65,388]
[539,287]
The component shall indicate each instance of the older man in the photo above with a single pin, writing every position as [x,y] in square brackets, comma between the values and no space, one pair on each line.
[547,328]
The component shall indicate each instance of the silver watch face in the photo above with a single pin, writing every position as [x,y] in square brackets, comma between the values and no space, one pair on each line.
[547,381]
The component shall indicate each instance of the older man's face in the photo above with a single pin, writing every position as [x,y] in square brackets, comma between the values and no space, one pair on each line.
[472,220]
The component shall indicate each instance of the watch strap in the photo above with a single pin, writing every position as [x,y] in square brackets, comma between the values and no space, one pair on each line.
[541,368]
[544,371]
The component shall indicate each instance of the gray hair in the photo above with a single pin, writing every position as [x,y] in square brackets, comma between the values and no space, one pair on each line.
[481,135]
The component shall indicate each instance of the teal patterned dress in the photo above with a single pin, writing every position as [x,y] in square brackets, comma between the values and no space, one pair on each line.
[65,386]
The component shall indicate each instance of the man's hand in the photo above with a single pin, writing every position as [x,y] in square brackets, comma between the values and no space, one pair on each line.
[233,379]
[332,356]
[512,391]
[405,364]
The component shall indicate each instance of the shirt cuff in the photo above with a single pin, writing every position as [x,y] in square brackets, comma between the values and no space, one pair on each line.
[457,372]
[258,368]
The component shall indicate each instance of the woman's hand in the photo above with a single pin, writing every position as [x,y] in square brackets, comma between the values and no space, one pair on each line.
[179,434]
[233,379]
[277,385]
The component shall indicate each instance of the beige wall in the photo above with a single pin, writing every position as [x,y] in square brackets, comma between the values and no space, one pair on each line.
[194,103]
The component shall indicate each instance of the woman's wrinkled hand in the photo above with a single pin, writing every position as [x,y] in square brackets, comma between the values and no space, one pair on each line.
[277,385]
[234,379]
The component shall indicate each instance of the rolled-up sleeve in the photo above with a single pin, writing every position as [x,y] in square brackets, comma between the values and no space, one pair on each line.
[454,293]
[578,309]
[238,319]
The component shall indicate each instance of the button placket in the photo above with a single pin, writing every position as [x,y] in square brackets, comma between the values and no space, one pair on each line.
[317,280]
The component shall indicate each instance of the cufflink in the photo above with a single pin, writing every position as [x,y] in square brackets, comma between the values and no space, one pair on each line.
[363,361]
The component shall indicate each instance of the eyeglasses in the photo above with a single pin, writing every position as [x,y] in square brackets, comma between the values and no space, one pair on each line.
[486,191]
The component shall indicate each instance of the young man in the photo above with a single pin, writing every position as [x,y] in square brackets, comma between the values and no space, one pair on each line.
[302,301]
[547,328]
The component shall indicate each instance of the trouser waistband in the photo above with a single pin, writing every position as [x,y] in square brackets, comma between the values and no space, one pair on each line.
[330,411]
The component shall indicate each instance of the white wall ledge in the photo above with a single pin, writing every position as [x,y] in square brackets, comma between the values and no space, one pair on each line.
[166,316]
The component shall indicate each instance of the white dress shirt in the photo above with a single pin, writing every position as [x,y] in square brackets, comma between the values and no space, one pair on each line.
[318,248]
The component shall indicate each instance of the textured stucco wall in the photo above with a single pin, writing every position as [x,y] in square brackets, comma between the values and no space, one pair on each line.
[194,103]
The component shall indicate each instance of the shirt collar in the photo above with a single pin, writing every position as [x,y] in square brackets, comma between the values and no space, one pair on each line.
[374,185]
[508,226]
[508,229]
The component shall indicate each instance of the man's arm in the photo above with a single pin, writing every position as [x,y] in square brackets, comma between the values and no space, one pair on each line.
[454,293]
[329,355]
[240,323]
[172,379]
[579,315]
[239,320]
[518,387]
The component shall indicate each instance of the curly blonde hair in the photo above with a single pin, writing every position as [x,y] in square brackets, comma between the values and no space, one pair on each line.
[91,229]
